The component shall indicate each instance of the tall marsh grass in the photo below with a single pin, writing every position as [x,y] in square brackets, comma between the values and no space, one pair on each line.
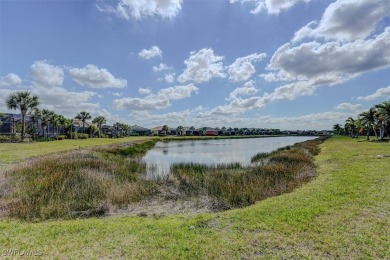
[75,185]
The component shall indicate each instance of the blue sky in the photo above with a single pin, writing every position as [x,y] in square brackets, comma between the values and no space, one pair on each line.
[293,64]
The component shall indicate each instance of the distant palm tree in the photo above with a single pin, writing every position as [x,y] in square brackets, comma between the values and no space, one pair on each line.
[180,130]
[63,122]
[83,116]
[369,120]
[99,120]
[1,115]
[23,101]
[46,116]
[35,117]
[165,128]
[337,128]
[350,125]
[55,121]
[126,129]
[384,117]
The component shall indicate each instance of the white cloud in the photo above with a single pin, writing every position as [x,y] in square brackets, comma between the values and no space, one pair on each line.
[318,121]
[170,78]
[154,51]
[380,93]
[110,117]
[144,91]
[331,60]
[140,103]
[65,102]
[237,105]
[161,67]
[117,94]
[138,9]
[347,20]
[271,6]
[47,83]
[45,74]
[93,77]
[242,69]
[202,66]
[349,106]
[10,79]
[4,94]
[248,89]
[172,119]
[162,99]
[178,92]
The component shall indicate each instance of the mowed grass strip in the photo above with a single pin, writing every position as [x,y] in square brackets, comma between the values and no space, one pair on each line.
[343,213]
[16,152]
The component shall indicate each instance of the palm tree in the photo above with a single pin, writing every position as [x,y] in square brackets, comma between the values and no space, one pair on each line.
[350,125]
[165,128]
[83,116]
[35,117]
[337,128]
[126,129]
[46,116]
[1,115]
[121,129]
[99,120]
[384,117]
[63,122]
[369,121]
[55,121]
[23,101]
[180,130]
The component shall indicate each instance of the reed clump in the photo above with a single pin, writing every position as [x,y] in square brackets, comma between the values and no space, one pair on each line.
[80,184]
[240,186]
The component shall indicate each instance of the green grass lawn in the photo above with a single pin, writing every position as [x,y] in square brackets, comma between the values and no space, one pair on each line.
[15,152]
[343,213]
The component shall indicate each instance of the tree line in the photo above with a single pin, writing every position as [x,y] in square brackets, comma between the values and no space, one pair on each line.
[374,121]
[28,104]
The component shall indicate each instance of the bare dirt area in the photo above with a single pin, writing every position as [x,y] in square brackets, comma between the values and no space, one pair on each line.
[160,206]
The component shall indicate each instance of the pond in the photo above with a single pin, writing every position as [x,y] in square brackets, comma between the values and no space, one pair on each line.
[212,151]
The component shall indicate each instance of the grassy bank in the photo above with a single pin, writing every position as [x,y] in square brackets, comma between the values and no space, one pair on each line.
[16,152]
[343,213]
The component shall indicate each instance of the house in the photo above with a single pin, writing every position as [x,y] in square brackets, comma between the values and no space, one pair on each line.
[139,130]
[210,131]
[158,131]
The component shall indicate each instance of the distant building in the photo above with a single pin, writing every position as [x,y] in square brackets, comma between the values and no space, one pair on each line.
[210,131]
[139,130]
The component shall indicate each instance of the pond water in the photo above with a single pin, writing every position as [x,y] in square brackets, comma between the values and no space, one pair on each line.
[212,151]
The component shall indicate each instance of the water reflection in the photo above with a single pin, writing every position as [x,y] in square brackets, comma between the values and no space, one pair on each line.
[212,152]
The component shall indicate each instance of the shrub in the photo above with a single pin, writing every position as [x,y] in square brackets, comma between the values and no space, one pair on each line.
[5,138]
[13,138]
[44,139]
[73,135]
[61,137]
[83,136]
